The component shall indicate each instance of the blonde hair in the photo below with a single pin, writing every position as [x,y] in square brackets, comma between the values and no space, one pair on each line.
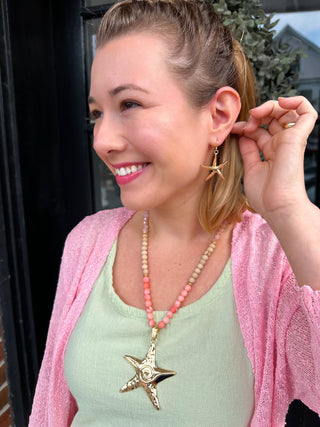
[204,57]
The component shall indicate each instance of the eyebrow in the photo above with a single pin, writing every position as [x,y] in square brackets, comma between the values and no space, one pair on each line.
[118,89]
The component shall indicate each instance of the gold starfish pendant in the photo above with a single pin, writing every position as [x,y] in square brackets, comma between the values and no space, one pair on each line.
[215,168]
[148,375]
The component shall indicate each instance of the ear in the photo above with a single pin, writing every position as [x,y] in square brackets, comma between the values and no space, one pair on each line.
[224,109]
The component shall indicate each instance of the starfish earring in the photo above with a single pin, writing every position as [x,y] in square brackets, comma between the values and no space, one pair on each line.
[215,168]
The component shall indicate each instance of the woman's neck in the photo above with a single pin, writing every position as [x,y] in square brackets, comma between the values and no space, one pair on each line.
[182,225]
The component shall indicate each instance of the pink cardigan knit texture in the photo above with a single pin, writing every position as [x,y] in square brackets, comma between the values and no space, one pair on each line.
[279,320]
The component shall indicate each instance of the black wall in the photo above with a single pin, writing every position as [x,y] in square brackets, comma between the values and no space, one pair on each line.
[45,172]
[47,61]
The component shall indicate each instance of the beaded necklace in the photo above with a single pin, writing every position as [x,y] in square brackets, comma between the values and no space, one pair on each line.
[148,375]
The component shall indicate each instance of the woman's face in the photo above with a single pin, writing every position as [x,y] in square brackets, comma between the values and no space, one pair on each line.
[146,131]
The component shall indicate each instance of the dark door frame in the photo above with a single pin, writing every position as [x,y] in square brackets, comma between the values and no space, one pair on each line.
[15,298]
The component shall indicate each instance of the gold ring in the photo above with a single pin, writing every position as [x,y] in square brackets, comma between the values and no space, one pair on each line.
[288,125]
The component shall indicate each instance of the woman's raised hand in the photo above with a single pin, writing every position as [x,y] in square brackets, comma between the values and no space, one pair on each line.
[276,185]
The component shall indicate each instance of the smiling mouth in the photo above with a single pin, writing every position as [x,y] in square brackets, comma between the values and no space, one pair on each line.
[128,170]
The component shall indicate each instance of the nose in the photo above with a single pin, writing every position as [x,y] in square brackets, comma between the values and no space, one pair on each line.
[107,137]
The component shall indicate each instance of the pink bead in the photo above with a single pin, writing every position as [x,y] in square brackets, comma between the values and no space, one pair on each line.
[166,320]
[177,304]
[169,314]
[146,279]
[146,285]
[148,303]
[150,316]
[149,309]
[173,309]
[147,297]
[147,291]
[161,325]
[188,288]
[152,323]
[184,293]
[181,298]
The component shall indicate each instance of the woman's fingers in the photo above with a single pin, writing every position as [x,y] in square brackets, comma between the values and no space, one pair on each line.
[307,115]
[249,152]
[276,181]
[286,121]
[274,117]
[295,109]
[298,103]
[238,128]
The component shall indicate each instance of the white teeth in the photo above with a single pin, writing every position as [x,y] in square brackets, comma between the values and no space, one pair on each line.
[129,169]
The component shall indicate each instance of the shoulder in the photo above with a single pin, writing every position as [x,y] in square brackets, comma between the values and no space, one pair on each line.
[255,248]
[97,230]
[92,226]
[91,240]
[251,223]
[253,230]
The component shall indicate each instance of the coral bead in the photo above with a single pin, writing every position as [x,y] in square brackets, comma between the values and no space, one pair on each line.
[173,309]
[152,323]
[161,325]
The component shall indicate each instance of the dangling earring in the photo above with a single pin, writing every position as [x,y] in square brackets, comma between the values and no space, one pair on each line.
[215,168]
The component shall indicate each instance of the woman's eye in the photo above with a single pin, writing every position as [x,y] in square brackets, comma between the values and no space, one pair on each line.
[95,115]
[127,105]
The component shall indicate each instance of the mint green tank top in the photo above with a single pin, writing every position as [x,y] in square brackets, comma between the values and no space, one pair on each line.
[214,385]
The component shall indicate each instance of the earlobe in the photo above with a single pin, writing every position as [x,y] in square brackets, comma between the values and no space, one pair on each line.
[224,109]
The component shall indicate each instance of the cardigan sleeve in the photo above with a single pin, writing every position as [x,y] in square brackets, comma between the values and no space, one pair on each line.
[299,312]
[279,321]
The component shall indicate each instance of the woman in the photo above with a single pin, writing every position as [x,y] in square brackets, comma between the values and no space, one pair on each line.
[185,265]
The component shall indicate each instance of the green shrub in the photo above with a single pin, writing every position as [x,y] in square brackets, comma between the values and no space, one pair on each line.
[275,64]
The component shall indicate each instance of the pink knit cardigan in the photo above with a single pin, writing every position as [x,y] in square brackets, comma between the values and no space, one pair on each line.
[279,320]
